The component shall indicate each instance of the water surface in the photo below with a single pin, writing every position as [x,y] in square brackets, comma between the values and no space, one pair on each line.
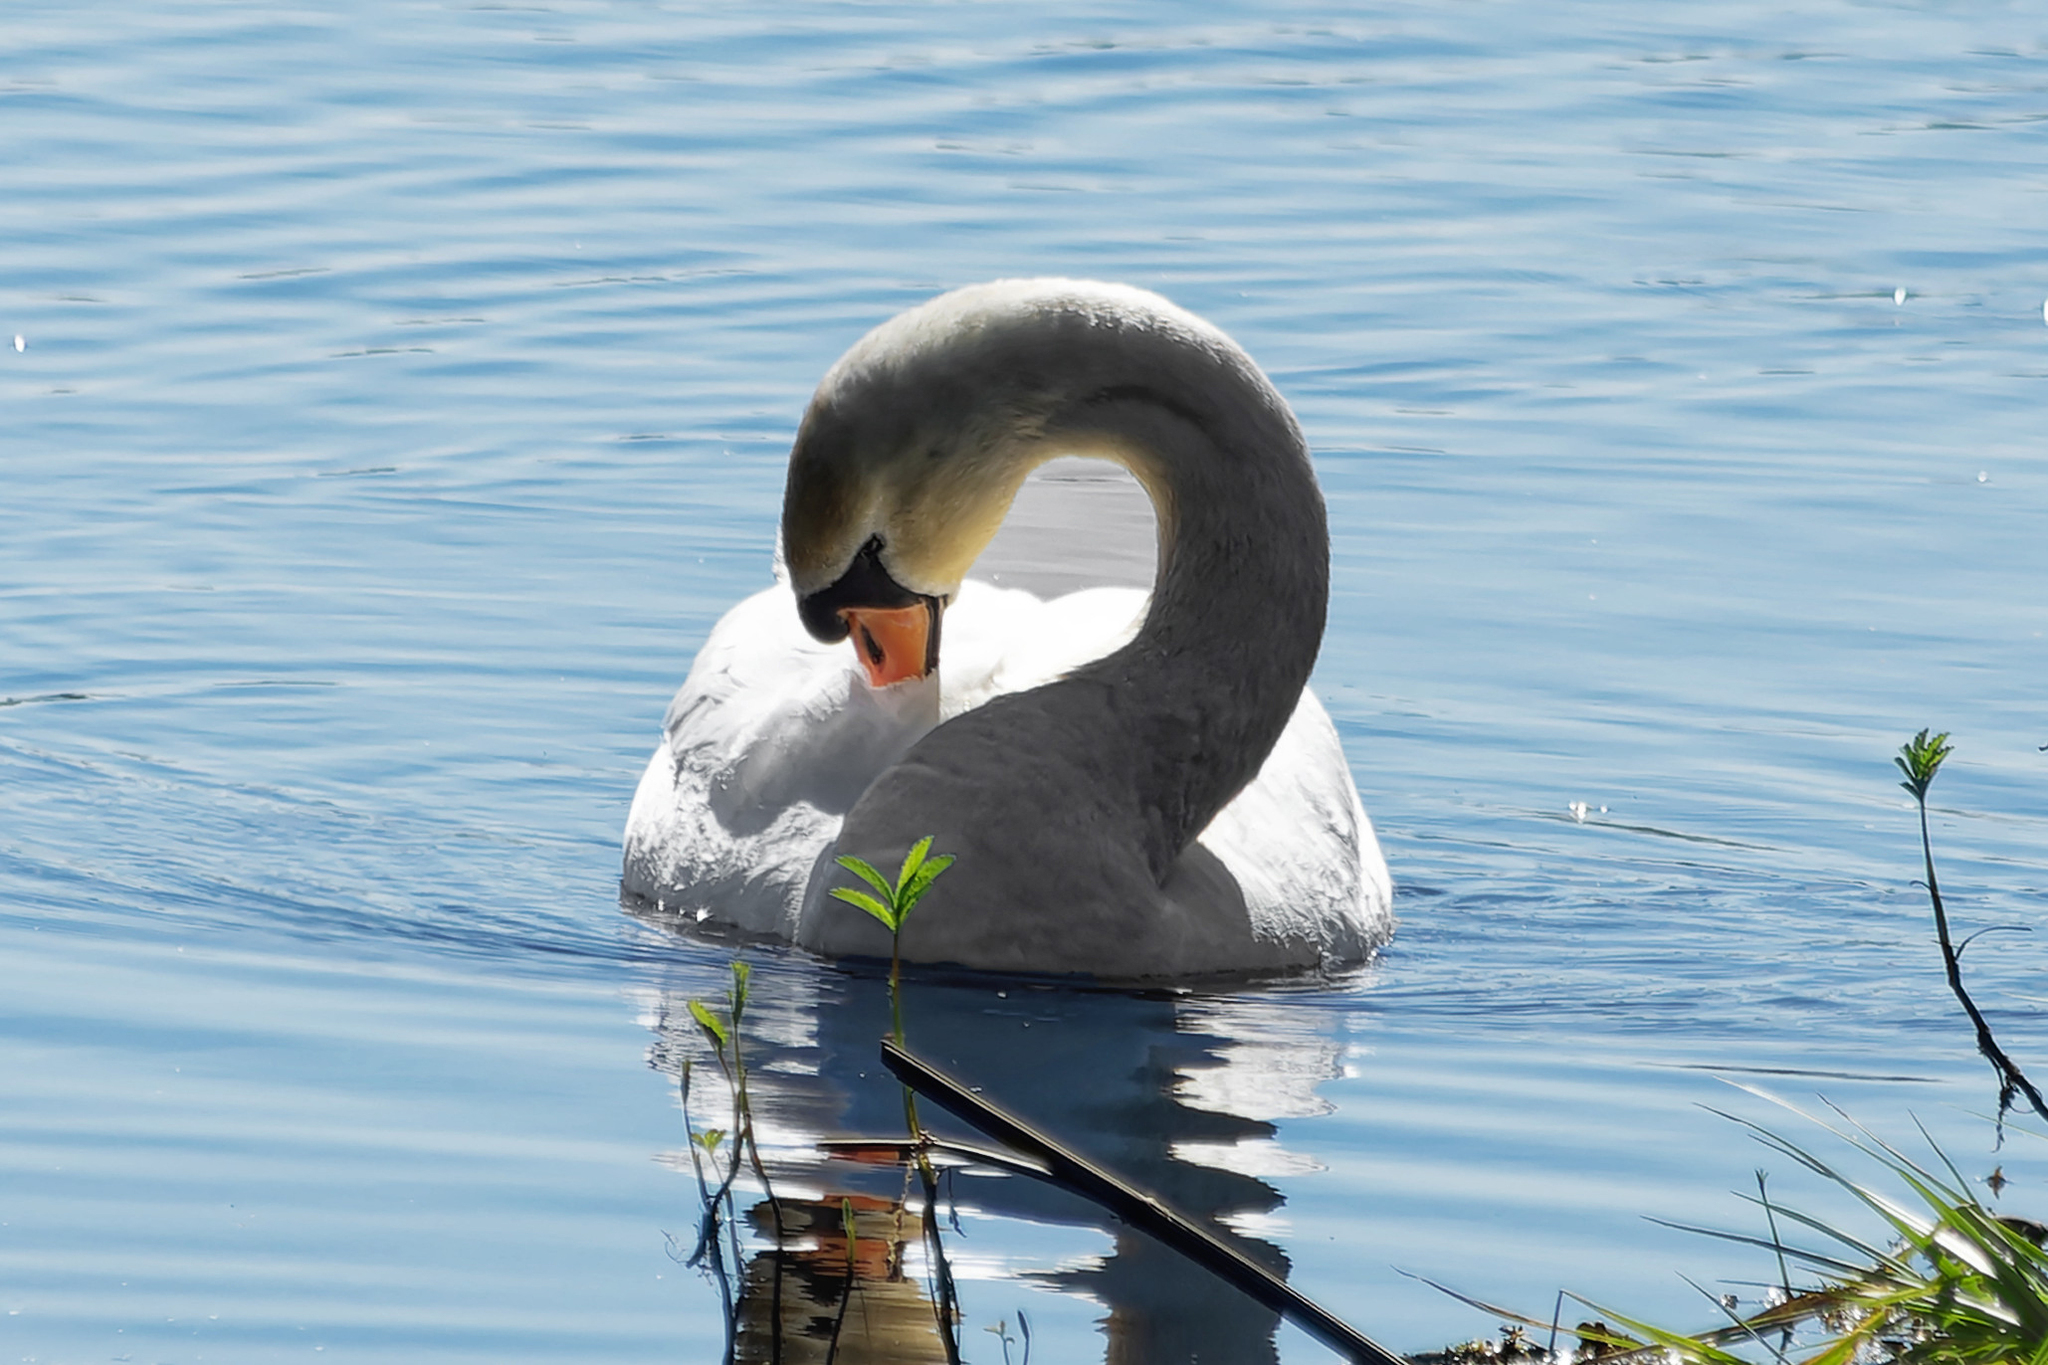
[403,391]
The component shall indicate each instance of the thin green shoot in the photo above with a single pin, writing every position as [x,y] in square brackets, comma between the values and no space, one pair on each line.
[722,1028]
[892,904]
[707,1250]
[1920,758]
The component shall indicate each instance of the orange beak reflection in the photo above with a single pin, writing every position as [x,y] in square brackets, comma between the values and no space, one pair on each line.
[891,645]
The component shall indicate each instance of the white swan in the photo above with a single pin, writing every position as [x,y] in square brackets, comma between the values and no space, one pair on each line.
[1155,797]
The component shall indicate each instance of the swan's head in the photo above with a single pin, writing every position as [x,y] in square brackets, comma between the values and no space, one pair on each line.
[910,454]
[884,511]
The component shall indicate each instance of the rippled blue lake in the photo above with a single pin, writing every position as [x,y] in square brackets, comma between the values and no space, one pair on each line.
[397,392]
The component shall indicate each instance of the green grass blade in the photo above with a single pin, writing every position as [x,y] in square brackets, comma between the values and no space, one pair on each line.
[1688,1347]
[1813,1258]
[1505,1314]
[1962,1182]
[1875,1255]
[1735,1319]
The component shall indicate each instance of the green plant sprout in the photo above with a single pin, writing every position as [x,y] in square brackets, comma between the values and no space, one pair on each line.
[723,1031]
[1920,758]
[704,1148]
[892,905]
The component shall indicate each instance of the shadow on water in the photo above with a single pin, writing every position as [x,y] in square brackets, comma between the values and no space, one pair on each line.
[1142,1083]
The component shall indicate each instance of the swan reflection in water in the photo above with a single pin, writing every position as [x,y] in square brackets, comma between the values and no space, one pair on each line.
[1176,1092]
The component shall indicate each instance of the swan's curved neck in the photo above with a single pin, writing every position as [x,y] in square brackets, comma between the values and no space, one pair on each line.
[921,434]
[1241,592]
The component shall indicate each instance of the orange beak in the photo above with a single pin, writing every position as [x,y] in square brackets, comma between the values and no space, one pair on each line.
[891,645]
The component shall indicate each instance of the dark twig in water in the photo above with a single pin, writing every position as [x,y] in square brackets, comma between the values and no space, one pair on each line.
[1968,939]
[1140,1210]
[1920,759]
[945,1298]
[906,1149]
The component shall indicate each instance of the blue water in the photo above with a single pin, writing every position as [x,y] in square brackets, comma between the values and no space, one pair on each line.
[402,391]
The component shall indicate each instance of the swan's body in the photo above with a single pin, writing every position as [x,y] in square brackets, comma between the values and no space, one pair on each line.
[1125,797]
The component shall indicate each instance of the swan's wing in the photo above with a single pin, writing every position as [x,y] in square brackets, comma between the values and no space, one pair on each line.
[1303,852]
[773,736]
[769,741]
[1001,640]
